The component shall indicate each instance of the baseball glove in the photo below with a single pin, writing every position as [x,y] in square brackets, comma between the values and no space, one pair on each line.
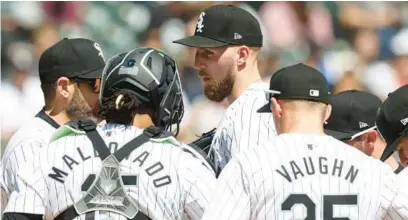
[204,141]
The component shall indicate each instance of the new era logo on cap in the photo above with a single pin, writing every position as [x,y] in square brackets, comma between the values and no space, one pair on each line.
[404,121]
[237,36]
[363,124]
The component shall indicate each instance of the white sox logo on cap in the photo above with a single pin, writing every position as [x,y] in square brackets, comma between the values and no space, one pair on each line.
[200,22]
[97,47]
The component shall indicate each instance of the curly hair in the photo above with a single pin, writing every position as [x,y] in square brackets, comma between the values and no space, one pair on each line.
[121,108]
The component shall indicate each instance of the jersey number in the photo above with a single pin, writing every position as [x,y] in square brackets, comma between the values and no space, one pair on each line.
[328,202]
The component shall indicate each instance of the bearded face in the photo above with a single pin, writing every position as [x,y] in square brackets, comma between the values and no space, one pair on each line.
[218,90]
[217,69]
[78,108]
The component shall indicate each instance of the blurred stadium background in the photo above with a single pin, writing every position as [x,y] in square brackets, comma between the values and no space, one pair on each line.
[360,45]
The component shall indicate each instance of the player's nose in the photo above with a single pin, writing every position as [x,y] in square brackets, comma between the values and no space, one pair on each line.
[198,64]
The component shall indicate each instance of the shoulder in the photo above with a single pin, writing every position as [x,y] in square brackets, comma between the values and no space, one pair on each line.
[257,157]
[69,129]
[34,133]
[252,96]
[249,101]
[191,160]
[36,129]
[21,151]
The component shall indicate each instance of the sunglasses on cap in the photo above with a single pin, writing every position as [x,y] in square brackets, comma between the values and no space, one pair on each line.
[271,93]
[359,134]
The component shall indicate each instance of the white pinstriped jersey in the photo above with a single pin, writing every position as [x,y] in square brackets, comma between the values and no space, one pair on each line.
[399,207]
[310,177]
[242,126]
[170,183]
[25,145]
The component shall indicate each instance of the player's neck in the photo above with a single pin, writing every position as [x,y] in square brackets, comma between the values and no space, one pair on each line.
[301,125]
[58,116]
[303,130]
[243,80]
[378,149]
[142,121]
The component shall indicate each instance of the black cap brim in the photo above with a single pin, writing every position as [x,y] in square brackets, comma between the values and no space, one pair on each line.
[200,42]
[390,148]
[342,136]
[94,74]
[265,108]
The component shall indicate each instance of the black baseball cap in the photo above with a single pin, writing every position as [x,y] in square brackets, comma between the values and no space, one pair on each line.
[71,58]
[222,25]
[353,113]
[297,82]
[392,120]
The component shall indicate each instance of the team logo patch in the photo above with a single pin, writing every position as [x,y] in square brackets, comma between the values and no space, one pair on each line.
[131,63]
[200,23]
[99,49]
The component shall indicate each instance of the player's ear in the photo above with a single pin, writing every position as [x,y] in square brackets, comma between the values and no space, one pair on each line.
[328,112]
[369,139]
[371,136]
[276,108]
[63,84]
[243,53]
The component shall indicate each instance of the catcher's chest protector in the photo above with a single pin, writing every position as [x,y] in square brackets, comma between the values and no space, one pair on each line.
[107,192]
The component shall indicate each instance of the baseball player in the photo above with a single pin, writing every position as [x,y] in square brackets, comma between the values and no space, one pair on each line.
[228,40]
[119,170]
[392,124]
[70,73]
[352,121]
[303,173]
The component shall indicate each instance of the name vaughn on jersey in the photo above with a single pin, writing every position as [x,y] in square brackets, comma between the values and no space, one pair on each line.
[323,165]
[155,168]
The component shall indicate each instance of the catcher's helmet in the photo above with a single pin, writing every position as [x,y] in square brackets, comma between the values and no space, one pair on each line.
[153,77]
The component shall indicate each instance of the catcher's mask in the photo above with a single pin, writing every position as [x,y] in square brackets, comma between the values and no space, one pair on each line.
[153,77]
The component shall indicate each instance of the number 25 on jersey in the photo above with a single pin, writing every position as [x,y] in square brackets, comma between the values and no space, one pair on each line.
[329,201]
